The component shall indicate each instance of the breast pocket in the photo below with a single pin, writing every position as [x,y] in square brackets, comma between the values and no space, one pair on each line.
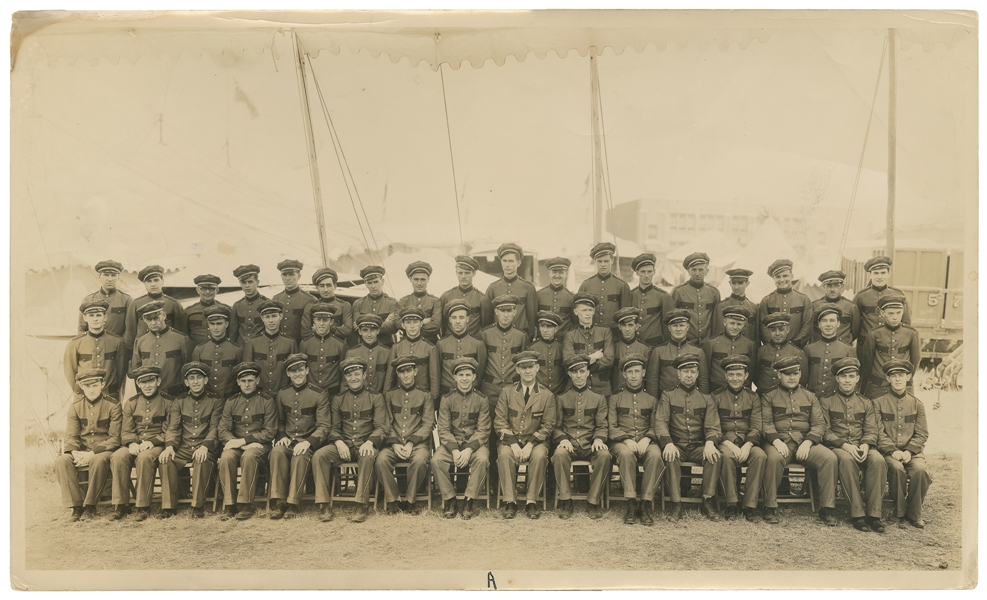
[103,423]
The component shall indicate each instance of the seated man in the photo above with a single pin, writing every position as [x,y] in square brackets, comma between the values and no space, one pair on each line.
[851,432]
[525,418]
[464,426]
[304,409]
[793,431]
[632,420]
[246,430]
[196,439]
[359,425]
[580,431]
[901,439]
[412,416]
[740,425]
[145,425]
[689,430]
[91,435]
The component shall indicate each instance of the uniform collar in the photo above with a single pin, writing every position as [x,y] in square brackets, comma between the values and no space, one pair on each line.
[199,397]
[155,296]
[407,389]
[251,394]
[271,337]
[220,340]
[688,390]
[465,290]
[733,391]
[784,292]
[792,390]
[369,346]
[323,338]
[460,336]
[679,344]
[301,387]
[556,289]
[96,335]
[204,303]
[646,288]
[878,289]
[377,297]
[105,293]
[505,330]
[463,394]
[163,331]
[604,277]
[736,297]
[156,395]
[251,298]
[636,390]
[899,396]
[733,339]
[329,300]
[895,328]
[698,287]
[845,396]
[544,341]
[420,295]
[778,346]
[96,401]
[828,340]
[511,279]
[579,390]
[413,340]
[356,392]
[292,292]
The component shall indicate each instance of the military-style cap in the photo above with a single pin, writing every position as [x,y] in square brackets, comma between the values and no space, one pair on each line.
[627,313]
[547,316]
[690,359]
[896,365]
[845,365]
[677,315]
[788,363]
[464,362]
[506,300]
[150,271]
[695,259]
[419,266]
[891,301]
[87,374]
[735,361]
[878,262]
[834,276]
[575,361]
[559,262]
[412,312]
[195,367]
[109,265]
[290,265]
[368,320]
[324,273]
[467,262]
[245,270]
[270,306]
[407,360]
[775,318]
[601,249]
[739,274]
[584,298]
[643,260]
[246,368]
[353,362]
[455,305]
[94,306]
[633,359]
[523,358]
[372,272]
[323,309]
[294,360]
[207,280]
[737,311]
[150,308]
[217,311]
[828,308]
[145,372]
[510,247]
[779,265]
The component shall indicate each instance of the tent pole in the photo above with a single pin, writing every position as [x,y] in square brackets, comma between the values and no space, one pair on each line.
[892,147]
[594,80]
[313,161]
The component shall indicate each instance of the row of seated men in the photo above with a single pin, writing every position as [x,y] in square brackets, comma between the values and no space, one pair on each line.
[300,426]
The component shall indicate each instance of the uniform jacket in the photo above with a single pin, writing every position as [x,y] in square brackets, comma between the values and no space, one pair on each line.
[792,416]
[882,345]
[654,304]
[557,301]
[702,303]
[527,308]
[518,422]
[612,294]
[632,415]
[270,353]
[342,319]
[796,304]
[661,373]
[432,308]
[253,418]
[245,322]
[358,417]
[168,350]
[103,351]
[148,420]
[583,340]
[134,328]
[752,330]
[294,303]
[820,356]
[198,421]
[687,417]
[620,350]
[740,415]
[903,424]
[452,347]
[195,319]
[849,323]
[412,416]
[220,356]
[382,306]
[93,426]
[501,346]
[116,316]
[429,373]
[870,314]
[324,356]
[849,420]
[481,309]
[766,377]
[581,417]
[376,356]
[304,414]
[464,421]
[550,372]
[720,347]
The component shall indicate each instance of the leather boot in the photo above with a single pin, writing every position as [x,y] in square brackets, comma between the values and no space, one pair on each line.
[362,514]
[631,514]
[467,509]
[646,518]
[449,508]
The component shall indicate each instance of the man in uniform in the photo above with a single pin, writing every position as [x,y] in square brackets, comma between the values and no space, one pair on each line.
[376,302]
[740,424]
[697,297]
[372,351]
[739,280]
[776,348]
[632,418]
[413,343]
[96,349]
[162,347]
[511,284]
[91,435]
[503,341]
[612,293]
[794,427]
[592,340]
[866,299]
[325,282]
[293,299]
[731,340]
[305,422]
[786,300]
[194,440]
[823,353]
[901,439]
[464,427]
[548,345]
[891,341]
[480,306]
[246,322]
[146,425]
[524,421]
[324,350]
[153,278]
[662,374]
[653,302]
[359,426]
[458,343]
[556,297]
[629,342]
[849,328]
[218,352]
[270,349]
[418,274]
[851,432]
[412,414]
[246,430]
[580,434]
[117,301]
[688,429]
[206,286]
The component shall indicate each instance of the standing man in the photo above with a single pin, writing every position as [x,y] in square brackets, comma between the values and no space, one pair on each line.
[891,341]
[787,300]
[503,341]
[823,353]
[372,351]
[218,352]
[731,341]
[458,343]
[594,341]
[118,302]
[849,328]
[293,299]
[325,282]
[153,279]
[697,297]
[556,297]
[612,292]
[525,419]
[96,349]
[324,351]
[653,302]
[246,322]
[776,348]
[740,424]
[511,284]
[429,374]
[91,435]
[480,307]
[548,345]
[866,299]
[270,350]
[629,326]
[739,280]
[206,286]
[418,274]
[662,374]
[580,434]
[161,347]
[376,302]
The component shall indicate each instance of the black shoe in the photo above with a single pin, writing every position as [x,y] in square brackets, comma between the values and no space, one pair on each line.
[244,512]
[674,511]
[467,509]
[166,513]
[875,524]
[646,518]
[594,511]
[510,510]
[750,514]
[730,513]
[449,508]
[198,512]
[142,513]
[292,511]
[532,510]
[229,512]
[826,515]
[859,524]
[410,507]
[119,511]
[393,508]
[771,516]
[361,514]
[326,513]
[916,523]
[278,511]
[708,509]
[76,514]
[631,513]
[565,509]
[89,513]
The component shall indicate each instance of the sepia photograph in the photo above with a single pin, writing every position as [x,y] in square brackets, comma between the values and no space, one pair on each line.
[613,299]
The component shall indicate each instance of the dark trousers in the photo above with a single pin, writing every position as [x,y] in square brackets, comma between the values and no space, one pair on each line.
[68,479]
[691,453]
[327,457]
[201,474]
[627,462]
[249,461]
[479,465]
[288,472]
[507,466]
[416,473]
[600,461]
[820,459]
[146,463]
[908,494]
[730,471]
[875,475]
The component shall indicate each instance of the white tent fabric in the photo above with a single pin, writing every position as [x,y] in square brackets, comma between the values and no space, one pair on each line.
[722,250]
[767,245]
